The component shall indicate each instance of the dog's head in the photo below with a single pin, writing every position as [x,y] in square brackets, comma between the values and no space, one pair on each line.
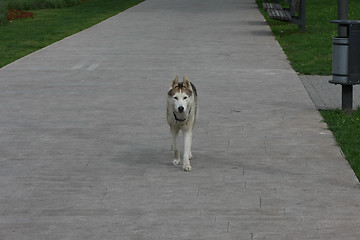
[181,95]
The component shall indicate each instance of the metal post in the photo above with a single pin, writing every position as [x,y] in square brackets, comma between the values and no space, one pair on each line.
[347,90]
[347,97]
[342,15]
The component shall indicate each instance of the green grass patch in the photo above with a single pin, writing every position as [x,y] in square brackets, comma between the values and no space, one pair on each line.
[3,12]
[346,130]
[24,36]
[39,4]
[311,52]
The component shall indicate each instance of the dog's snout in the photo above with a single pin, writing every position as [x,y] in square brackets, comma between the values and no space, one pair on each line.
[181,109]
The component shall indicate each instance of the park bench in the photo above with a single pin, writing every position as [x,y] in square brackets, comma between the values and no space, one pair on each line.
[294,14]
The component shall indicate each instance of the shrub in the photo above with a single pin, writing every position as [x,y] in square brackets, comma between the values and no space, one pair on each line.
[21,5]
[15,14]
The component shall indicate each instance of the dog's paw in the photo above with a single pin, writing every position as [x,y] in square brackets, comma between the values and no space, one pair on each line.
[176,162]
[187,168]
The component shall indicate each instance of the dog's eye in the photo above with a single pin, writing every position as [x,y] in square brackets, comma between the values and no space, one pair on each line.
[176,98]
[185,98]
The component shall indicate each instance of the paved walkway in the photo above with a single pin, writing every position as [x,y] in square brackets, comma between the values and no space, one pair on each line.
[326,95]
[84,144]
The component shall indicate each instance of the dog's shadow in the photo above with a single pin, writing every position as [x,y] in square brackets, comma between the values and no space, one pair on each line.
[156,158]
[143,155]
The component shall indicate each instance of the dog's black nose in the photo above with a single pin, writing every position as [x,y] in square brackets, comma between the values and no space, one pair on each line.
[181,109]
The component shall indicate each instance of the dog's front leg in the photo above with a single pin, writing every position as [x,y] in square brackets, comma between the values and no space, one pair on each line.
[187,150]
[174,133]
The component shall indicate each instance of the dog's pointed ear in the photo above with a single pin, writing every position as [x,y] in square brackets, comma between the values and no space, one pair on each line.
[175,82]
[186,82]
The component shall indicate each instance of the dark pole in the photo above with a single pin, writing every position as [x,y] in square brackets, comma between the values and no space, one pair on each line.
[347,90]
[342,15]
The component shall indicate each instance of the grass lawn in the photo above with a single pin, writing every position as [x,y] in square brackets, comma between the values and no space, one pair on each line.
[346,130]
[311,53]
[24,36]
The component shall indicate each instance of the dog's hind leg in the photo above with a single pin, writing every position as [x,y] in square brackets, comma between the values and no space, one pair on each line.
[174,133]
[187,150]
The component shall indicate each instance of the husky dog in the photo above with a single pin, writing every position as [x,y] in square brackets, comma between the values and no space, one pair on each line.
[181,115]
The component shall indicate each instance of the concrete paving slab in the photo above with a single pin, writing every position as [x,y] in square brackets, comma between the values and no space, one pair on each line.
[325,95]
[85,147]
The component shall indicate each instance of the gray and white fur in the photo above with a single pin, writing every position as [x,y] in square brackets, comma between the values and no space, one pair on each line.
[181,115]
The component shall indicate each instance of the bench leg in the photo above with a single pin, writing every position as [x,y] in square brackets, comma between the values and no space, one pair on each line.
[302,15]
[302,26]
